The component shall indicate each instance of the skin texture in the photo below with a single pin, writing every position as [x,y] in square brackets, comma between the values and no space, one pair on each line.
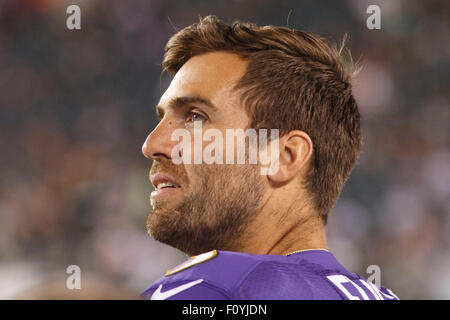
[227,206]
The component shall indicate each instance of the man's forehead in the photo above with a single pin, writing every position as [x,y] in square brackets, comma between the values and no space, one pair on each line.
[210,75]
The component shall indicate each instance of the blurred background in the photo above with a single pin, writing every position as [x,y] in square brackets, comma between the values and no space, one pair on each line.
[77,105]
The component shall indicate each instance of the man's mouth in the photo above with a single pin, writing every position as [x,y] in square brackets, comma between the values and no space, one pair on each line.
[164,185]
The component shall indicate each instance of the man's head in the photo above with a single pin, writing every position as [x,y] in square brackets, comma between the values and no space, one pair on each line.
[210,206]
[238,77]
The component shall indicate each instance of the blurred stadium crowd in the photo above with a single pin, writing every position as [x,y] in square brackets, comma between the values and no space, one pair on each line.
[76,106]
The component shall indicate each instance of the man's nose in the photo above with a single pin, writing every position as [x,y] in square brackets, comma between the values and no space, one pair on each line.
[158,143]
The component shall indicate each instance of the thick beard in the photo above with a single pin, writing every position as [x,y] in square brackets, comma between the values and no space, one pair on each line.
[216,212]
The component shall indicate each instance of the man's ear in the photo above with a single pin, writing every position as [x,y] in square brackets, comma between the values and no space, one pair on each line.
[295,149]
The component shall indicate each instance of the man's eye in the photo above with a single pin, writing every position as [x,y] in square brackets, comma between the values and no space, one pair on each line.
[193,117]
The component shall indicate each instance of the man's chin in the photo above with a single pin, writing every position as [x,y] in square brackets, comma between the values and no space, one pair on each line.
[154,223]
[160,220]
[162,226]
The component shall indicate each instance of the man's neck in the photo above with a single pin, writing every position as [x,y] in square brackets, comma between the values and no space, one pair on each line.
[287,232]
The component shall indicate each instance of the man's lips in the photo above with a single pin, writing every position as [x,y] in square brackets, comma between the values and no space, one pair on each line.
[163,180]
[164,185]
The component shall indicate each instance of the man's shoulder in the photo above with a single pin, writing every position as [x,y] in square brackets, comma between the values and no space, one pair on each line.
[217,270]
[238,275]
[218,275]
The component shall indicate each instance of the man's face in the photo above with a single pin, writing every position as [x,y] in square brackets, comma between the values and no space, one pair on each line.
[200,207]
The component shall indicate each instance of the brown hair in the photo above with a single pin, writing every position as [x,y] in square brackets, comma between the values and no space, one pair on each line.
[294,81]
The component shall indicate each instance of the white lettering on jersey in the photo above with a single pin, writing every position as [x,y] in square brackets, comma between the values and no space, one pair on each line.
[373,289]
[393,296]
[339,280]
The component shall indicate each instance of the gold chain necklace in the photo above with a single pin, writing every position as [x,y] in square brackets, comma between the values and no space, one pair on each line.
[305,250]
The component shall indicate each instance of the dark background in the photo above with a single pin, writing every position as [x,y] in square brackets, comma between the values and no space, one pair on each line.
[77,105]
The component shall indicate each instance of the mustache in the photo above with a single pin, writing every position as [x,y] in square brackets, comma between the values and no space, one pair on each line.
[168,167]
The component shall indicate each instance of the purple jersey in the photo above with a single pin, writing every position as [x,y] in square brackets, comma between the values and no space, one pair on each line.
[226,275]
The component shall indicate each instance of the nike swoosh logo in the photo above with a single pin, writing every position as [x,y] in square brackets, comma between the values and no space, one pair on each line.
[158,295]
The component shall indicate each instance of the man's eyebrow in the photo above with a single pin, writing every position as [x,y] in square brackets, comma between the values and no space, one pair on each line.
[185,100]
